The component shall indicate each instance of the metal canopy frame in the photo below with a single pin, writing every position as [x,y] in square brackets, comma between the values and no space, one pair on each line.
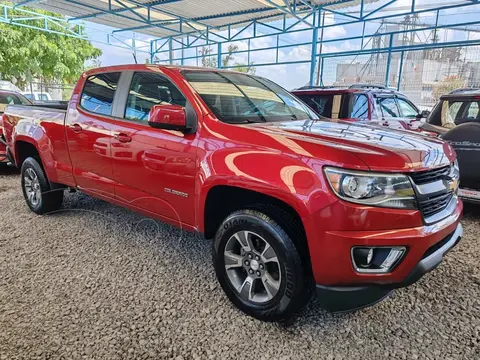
[179,36]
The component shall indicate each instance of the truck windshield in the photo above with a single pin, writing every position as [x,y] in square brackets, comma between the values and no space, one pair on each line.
[241,98]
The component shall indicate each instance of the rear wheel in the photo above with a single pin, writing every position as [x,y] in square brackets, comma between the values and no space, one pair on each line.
[259,267]
[40,198]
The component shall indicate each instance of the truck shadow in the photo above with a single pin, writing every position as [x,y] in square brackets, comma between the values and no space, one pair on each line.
[8,170]
[191,254]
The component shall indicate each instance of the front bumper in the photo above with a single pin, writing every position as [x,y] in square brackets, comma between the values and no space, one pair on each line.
[348,298]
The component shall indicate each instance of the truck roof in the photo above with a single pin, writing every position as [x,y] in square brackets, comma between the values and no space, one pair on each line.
[465,93]
[355,88]
[151,67]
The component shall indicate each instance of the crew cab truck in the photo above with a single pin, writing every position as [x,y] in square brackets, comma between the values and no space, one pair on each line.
[375,104]
[292,202]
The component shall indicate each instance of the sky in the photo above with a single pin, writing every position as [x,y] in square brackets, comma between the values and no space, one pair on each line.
[295,75]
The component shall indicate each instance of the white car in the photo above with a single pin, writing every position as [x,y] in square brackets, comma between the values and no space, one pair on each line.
[37,96]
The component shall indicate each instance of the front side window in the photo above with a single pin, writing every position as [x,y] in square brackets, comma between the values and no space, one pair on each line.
[98,93]
[11,99]
[388,107]
[407,109]
[148,89]
[359,107]
[321,104]
[242,98]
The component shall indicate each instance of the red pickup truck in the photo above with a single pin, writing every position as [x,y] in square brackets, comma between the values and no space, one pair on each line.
[292,202]
[6,98]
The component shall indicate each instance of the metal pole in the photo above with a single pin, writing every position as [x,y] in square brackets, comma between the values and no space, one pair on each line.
[219,55]
[313,61]
[389,61]
[151,50]
[170,51]
[321,19]
[399,82]
[321,71]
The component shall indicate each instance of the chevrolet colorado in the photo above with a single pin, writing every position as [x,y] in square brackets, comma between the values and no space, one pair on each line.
[292,202]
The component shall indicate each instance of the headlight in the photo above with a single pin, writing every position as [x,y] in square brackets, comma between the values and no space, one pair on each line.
[385,190]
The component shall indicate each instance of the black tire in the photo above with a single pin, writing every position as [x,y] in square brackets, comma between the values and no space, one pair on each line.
[49,200]
[293,291]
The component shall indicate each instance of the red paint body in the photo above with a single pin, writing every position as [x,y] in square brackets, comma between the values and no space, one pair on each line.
[5,98]
[282,160]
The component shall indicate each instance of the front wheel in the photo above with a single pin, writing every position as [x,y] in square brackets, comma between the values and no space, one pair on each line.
[40,198]
[259,266]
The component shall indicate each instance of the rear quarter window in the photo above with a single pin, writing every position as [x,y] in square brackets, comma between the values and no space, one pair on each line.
[98,93]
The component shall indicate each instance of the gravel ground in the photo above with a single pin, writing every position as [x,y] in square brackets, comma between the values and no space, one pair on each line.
[98,281]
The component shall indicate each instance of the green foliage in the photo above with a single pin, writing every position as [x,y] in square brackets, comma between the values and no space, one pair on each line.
[446,86]
[27,53]
[209,60]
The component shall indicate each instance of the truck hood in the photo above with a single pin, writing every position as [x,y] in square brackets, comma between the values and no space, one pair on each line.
[380,149]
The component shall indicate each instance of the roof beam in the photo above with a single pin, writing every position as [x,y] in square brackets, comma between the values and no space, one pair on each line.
[120,10]
[148,24]
[180,18]
[287,10]
[26,2]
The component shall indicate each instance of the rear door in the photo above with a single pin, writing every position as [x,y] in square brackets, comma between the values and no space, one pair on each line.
[154,169]
[89,134]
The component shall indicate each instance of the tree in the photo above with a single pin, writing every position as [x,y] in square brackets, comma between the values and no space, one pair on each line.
[209,60]
[448,84]
[27,54]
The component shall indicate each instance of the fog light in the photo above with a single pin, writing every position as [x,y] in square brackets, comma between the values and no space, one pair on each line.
[376,259]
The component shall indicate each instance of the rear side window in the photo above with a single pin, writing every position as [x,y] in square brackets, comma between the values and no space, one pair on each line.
[359,107]
[148,89]
[321,104]
[98,93]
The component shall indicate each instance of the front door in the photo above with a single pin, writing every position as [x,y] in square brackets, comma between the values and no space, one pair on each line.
[89,134]
[154,169]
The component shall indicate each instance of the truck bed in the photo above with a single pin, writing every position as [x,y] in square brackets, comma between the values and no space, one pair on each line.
[28,118]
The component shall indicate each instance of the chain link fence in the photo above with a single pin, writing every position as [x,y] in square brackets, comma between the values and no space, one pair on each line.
[422,75]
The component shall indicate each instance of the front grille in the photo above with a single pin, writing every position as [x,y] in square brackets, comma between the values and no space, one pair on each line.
[423,177]
[435,204]
[431,199]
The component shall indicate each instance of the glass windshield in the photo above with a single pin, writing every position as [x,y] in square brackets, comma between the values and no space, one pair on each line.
[241,98]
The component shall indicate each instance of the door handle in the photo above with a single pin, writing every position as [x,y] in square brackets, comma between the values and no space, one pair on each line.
[75,128]
[123,138]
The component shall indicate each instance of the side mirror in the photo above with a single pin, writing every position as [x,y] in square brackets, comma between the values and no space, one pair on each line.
[169,117]
[423,114]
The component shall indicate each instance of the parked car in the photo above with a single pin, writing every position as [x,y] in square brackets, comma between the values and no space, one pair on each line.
[456,119]
[8,98]
[375,104]
[38,96]
[291,202]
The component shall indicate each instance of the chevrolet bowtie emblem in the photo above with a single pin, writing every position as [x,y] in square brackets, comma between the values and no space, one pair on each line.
[453,184]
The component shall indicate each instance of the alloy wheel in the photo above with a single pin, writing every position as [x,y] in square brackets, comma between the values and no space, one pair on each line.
[32,187]
[252,267]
